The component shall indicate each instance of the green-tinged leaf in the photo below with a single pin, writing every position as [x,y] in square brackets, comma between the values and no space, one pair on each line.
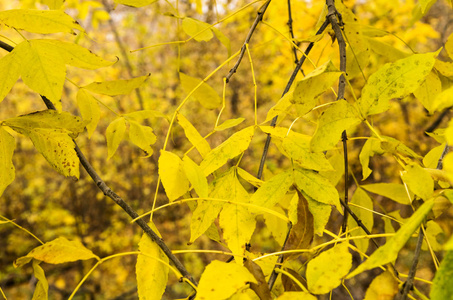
[43,69]
[142,136]
[389,252]
[223,39]
[273,190]
[314,85]
[238,225]
[58,251]
[386,50]
[116,87]
[171,172]
[321,214]
[115,134]
[52,133]
[317,187]
[281,108]
[383,287]
[89,109]
[301,234]
[336,174]
[297,147]
[358,50]
[249,178]
[76,55]
[296,296]
[229,123]
[395,80]
[443,100]
[419,181]
[193,136]
[7,170]
[449,46]
[428,90]
[196,177]
[232,147]
[146,114]
[426,5]
[12,63]
[204,94]
[364,211]
[39,21]
[370,148]
[326,271]
[135,3]
[42,286]
[276,226]
[432,232]
[339,117]
[394,146]
[151,269]
[220,280]
[395,191]
[442,287]
[199,30]
[225,187]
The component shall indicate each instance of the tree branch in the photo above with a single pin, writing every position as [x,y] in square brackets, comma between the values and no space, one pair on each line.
[117,199]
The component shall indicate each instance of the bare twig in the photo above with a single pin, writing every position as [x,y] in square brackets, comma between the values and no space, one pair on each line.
[117,199]
[291,31]
[279,262]
[259,17]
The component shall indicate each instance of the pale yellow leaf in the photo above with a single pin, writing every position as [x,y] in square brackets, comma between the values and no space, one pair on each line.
[89,109]
[383,287]
[12,63]
[7,170]
[396,192]
[135,3]
[39,21]
[204,93]
[194,136]
[53,4]
[419,181]
[365,214]
[296,296]
[172,174]
[151,271]
[42,286]
[428,91]
[197,29]
[116,87]
[326,271]
[272,190]
[321,214]
[232,147]
[115,134]
[442,100]
[60,251]
[297,147]
[220,280]
[142,137]
[196,177]
[229,123]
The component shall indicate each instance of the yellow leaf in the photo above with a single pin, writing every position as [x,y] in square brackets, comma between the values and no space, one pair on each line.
[76,55]
[317,187]
[39,21]
[152,274]
[296,296]
[321,214]
[135,3]
[229,123]
[442,100]
[196,177]
[272,190]
[52,134]
[428,91]
[220,280]
[419,181]
[389,252]
[53,4]
[115,134]
[314,85]
[43,69]
[225,187]
[7,171]
[232,147]
[449,46]
[172,174]
[325,272]
[42,286]
[223,39]
[60,251]
[442,287]
[116,87]
[365,214]
[426,5]
[89,109]
[12,63]
[249,177]
[141,115]
[142,136]
[339,117]
[444,68]
[394,80]
[297,147]
[383,287]
[282,107]
[198,30]
[204,94]
[395,191]
[194,136]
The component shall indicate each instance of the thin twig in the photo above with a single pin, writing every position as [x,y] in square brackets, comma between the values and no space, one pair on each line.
[259,17]
[291,32]
[118,200]
[279,262]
